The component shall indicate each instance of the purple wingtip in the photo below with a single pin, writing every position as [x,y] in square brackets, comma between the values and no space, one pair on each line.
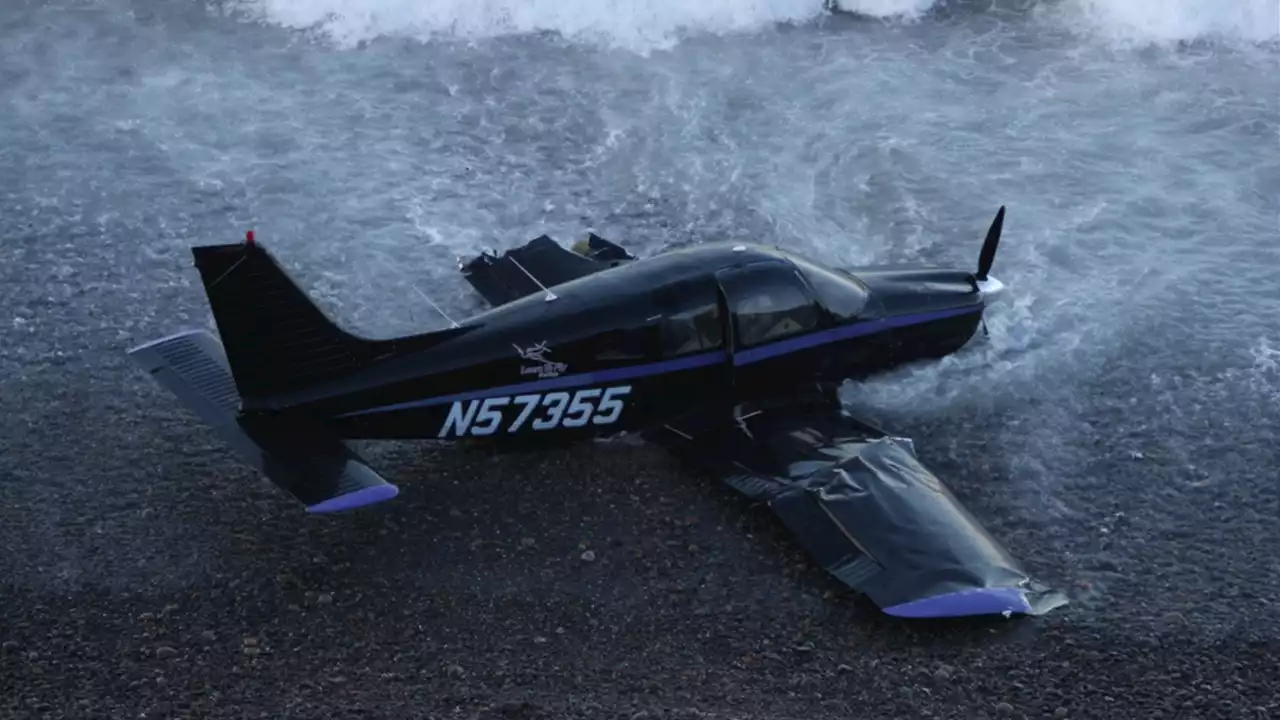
[963,603]
[357,499]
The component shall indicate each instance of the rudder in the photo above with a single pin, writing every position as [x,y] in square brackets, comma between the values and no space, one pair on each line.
[276,338]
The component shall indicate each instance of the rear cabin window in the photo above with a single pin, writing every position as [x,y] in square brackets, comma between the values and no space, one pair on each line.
[626,345]
[770,301]
[692,331]
[690,321]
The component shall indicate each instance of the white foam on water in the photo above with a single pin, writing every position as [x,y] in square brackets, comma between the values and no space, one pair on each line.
[640,25]
[1174,20]
[1263,378]
[905,9]
[645,25]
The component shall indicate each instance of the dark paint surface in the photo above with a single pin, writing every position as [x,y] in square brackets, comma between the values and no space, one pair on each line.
[861,503]
[1116,432]
[590,324]
[640,344]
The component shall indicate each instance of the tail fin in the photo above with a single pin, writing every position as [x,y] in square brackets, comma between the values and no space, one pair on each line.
[276,338]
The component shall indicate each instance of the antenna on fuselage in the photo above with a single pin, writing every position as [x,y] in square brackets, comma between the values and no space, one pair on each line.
[437,307]
[550,295]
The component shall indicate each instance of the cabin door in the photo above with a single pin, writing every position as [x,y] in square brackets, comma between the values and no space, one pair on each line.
[771,323]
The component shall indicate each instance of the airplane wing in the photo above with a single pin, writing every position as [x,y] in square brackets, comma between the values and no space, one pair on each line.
[538,264]
[863,505]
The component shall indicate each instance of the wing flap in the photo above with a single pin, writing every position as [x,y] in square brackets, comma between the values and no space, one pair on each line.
[861,503]
[516,273]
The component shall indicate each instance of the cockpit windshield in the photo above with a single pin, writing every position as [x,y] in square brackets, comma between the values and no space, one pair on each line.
[841,293]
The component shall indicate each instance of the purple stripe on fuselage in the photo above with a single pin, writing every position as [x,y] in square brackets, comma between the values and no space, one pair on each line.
[742,357]
[559,383]
[844,332]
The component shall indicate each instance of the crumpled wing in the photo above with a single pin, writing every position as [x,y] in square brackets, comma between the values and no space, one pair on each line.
[517,273]
[864,506]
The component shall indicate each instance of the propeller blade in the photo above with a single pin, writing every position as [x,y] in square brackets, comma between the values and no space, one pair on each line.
[988,254]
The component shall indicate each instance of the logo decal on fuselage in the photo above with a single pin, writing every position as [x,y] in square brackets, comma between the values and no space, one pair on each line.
[545,368]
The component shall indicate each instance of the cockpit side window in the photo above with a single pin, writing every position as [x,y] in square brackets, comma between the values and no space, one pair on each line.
[769,301]
[843,295]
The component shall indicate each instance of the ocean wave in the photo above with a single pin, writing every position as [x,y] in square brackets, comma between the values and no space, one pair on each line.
[635,24]
[646,25]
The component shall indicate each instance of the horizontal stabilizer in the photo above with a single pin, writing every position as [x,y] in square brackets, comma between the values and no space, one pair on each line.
[863,506]
[307,461]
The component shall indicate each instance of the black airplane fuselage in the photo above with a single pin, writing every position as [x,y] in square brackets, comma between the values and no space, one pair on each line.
[728,356]
[632,346]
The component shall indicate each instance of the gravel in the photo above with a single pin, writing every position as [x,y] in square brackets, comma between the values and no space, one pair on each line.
[1122,446]
[147,574]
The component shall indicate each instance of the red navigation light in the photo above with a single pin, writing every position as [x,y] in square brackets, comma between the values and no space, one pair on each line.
[248,237]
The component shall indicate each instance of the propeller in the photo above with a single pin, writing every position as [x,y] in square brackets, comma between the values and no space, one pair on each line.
[988,254]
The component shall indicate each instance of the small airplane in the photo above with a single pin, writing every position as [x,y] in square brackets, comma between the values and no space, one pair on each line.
[728,355]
